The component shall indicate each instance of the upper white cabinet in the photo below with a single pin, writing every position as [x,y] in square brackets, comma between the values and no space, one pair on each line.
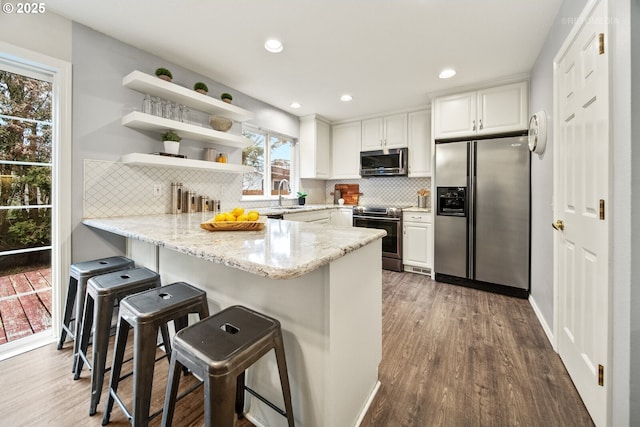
[315,154]
[488,111]
[419,139]
[384,132]
[345,150]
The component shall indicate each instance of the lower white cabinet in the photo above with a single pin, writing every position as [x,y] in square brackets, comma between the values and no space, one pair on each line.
[342,217]
[417,242]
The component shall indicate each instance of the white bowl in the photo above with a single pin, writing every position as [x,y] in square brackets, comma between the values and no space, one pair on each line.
[221,124]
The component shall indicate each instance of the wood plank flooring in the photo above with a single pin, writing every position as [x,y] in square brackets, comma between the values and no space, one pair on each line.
[452,356]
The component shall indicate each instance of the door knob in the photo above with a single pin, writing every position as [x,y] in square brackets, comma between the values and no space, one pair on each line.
[558,225]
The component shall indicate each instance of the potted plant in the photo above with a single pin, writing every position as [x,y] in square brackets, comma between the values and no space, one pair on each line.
[301,198]
[164,74]
[171,141]
[226,97]
[201,88]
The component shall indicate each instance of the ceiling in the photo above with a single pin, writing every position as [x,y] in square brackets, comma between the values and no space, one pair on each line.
[386,53]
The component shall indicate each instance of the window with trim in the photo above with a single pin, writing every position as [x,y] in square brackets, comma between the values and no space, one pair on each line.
[274,150]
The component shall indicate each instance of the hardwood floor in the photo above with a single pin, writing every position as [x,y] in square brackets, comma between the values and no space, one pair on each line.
[452,356]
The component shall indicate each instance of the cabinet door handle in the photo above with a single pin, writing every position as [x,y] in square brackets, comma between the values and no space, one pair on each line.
[481,127]
[474,125]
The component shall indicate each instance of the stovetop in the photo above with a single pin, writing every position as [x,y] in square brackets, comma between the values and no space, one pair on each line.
[382,211]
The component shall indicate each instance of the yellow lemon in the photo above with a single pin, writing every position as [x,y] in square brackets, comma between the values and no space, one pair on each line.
[220,217]
[237,211]
[230,216]
[242,217]
[253,216]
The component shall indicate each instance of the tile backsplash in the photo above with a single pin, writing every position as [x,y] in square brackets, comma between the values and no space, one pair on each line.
[382,191]
[114,189]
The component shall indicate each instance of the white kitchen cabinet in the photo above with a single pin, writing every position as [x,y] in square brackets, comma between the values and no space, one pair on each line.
[417,242]
[419,142]
[315,154]
[488,111]
[345,151]
[384,132]
[342,217]
[321,216]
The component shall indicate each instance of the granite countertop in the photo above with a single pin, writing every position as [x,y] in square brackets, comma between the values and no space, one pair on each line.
[283,250]
[416,209]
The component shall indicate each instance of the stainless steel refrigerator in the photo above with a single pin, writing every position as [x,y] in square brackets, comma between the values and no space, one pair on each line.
[482,222]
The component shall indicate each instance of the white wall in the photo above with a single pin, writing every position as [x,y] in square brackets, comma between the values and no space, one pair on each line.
[542,166]
[47,33]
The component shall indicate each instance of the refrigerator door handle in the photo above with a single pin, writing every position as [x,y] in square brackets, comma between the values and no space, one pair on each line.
[471,211]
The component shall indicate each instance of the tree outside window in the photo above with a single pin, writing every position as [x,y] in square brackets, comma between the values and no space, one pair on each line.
[268,149]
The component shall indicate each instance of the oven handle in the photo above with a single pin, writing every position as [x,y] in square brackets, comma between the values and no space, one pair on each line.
[378,218]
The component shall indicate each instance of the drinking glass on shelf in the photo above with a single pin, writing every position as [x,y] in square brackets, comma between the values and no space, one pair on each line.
[157,107]
[166,109]
[175,111]
[184,114]
[147,104]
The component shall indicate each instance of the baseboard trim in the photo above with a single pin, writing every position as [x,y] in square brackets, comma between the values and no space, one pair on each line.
[545,326]
[365,409]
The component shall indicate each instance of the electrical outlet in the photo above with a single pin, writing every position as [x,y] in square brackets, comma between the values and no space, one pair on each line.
[157,189]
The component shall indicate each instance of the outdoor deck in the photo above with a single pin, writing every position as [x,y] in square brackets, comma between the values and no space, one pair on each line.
[25,304]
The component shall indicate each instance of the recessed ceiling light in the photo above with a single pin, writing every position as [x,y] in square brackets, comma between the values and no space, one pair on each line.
[295,105]
[447,73]
[346,98]
[273,46]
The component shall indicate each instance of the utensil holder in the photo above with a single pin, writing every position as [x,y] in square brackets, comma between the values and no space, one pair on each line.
[422,201]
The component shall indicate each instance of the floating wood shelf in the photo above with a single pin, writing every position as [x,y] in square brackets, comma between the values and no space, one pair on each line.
[173,162]
[148,84]
[144,121]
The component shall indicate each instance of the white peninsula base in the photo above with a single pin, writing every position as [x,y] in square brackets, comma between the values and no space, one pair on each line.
[332,325]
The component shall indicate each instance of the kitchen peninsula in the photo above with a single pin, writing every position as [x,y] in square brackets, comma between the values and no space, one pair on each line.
[322,283]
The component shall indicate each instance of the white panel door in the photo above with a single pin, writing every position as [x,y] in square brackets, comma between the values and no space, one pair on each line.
[455,115]
[581,185]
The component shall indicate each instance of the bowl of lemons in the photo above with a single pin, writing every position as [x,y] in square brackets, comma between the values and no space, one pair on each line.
[236,219]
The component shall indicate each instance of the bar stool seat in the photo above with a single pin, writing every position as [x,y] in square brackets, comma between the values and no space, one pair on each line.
[219,349]
[147,312]
[79,275]
[102,293]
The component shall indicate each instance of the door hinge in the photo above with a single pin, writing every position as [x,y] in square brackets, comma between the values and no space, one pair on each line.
[601,375]
[601,43]
[601,208]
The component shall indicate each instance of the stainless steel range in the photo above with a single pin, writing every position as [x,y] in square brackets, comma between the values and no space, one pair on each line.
[388,218]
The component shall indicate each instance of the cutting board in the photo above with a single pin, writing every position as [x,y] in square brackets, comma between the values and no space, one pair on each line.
[349,192]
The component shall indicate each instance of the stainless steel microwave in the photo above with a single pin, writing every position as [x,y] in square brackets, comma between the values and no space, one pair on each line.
[389,162]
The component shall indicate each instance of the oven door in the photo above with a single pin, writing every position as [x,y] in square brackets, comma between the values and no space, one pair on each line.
[392,242]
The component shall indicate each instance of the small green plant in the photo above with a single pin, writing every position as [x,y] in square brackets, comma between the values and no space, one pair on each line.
[163,72]
[171,136]
[200,86]
[301,195]
[226,96]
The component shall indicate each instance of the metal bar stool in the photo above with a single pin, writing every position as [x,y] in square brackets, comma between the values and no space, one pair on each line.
[147,312]
[102,293]
[219,349]
[79,274]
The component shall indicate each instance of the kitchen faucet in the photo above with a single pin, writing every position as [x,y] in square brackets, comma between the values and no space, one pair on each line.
[280,190]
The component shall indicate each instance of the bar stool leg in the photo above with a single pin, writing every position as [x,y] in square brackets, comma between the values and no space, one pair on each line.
[143,365]
[68,310]
[102,320]
[84,333]
[79,311]
[284,379]
[173,382]
[122,334]
[219,404]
